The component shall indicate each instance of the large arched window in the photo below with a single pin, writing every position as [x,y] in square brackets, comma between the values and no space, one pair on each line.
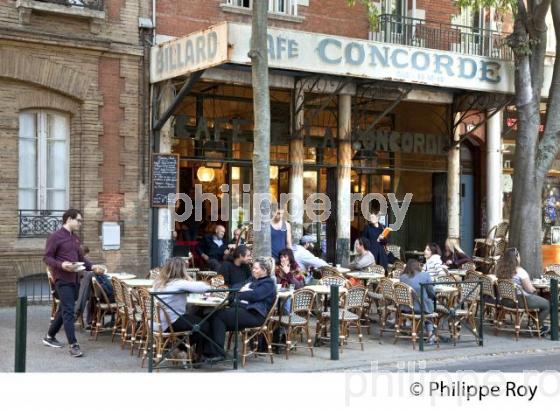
[43,160]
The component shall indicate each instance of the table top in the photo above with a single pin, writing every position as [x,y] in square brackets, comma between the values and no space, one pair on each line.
[444,289]
[285,293]
[365,275]
[415,252]
[458,272]
[324,289]
[541,285]
[139,283]
[341,269]
[121,275]
[201,300]
[206,273]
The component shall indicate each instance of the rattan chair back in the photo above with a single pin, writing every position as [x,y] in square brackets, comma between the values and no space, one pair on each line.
[302,301]
[553,268]
[378,269]
[508,291]
[217,280]
[355,297]
[468,266]
[404,295]
[395,250]
[333,280]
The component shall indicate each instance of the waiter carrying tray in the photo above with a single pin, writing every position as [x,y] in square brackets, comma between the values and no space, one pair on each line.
[64,257]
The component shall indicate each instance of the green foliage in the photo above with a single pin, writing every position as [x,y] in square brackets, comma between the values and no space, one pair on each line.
[501,5]
[372,11]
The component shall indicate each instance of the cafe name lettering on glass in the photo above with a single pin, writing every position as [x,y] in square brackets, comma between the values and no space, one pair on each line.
[165,178]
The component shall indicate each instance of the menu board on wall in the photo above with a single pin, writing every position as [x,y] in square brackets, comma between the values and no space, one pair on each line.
[165,178]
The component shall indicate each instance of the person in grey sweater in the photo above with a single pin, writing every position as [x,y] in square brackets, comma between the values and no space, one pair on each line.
[413,277]
[173,278]
[364,257]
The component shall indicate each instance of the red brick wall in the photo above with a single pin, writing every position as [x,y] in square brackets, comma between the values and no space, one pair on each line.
[111,86]
[180,17]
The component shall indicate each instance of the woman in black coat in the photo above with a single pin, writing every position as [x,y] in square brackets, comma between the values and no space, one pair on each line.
[372,232]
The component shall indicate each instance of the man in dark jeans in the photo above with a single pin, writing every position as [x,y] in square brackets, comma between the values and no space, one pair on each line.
[62,253]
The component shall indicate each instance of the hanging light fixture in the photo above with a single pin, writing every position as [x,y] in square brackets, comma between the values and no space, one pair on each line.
[205,174]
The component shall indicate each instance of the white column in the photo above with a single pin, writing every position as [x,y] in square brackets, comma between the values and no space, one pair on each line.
[454,186]
[296,161]
[494,169]
[344,215]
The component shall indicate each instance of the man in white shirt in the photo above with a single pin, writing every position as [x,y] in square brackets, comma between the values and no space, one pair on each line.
[303,256]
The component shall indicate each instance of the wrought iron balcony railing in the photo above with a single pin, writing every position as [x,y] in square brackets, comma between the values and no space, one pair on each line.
[442,36]
[34,223]
[87,4]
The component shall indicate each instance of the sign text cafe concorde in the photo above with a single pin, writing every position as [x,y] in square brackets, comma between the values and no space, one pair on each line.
[319,53]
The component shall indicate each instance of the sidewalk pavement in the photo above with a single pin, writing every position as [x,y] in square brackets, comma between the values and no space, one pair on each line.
[103,356]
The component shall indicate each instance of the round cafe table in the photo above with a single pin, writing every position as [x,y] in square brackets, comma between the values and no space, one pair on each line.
[197,299]
[139,283]
[121,275]
[365,275]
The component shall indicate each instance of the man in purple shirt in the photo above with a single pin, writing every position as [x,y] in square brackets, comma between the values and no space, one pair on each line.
[61,254]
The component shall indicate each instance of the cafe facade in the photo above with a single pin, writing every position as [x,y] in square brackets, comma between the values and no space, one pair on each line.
[348,116]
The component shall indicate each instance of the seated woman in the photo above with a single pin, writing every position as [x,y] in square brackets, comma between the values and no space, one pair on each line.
[509,267]
[255,301]
[288,271]
[173,278]
[364,258]
[432,253]
[454,255]
[413,277]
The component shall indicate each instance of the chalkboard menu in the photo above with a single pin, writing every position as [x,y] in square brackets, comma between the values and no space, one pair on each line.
[165,178]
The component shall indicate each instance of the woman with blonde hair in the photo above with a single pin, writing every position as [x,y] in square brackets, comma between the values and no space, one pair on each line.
[255,299]
[174,278]
[454,255]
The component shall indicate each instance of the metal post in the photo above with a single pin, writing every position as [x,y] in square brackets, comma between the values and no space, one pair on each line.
[481,320]
[421,342]
[21,334]
[553,309]
[235,343]
[151,337]
[334,322]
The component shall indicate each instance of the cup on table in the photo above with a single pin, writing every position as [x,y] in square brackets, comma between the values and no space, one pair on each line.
[338,265]
[278,287]
[292,287]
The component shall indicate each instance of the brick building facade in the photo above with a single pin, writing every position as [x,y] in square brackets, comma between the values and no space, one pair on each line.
[83,67]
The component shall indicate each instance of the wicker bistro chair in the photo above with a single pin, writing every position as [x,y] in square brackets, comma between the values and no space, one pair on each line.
[161,341]
[134,320]
[387,305]
[395,250]
[121,321]
[469,297]
[396,273]
[349,315]
[404,298]
[328,271]
[217,280]
[103,307]
[507,292]
[468,266]
[373,297]
[491,305]
[250,337]
[297,321]
[398,265]
[551,272]
[54,297]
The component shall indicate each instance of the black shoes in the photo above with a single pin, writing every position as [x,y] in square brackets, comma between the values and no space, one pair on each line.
[52,342]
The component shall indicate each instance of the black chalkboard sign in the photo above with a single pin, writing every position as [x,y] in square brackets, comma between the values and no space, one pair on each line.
[165,178]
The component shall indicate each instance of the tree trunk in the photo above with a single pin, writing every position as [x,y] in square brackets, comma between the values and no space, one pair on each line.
[261,142]
[526,218]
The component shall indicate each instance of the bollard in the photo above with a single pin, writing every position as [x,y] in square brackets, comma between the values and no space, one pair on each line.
[151,337]
[554,309]
[21,334]
[421,341]
[334,322]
